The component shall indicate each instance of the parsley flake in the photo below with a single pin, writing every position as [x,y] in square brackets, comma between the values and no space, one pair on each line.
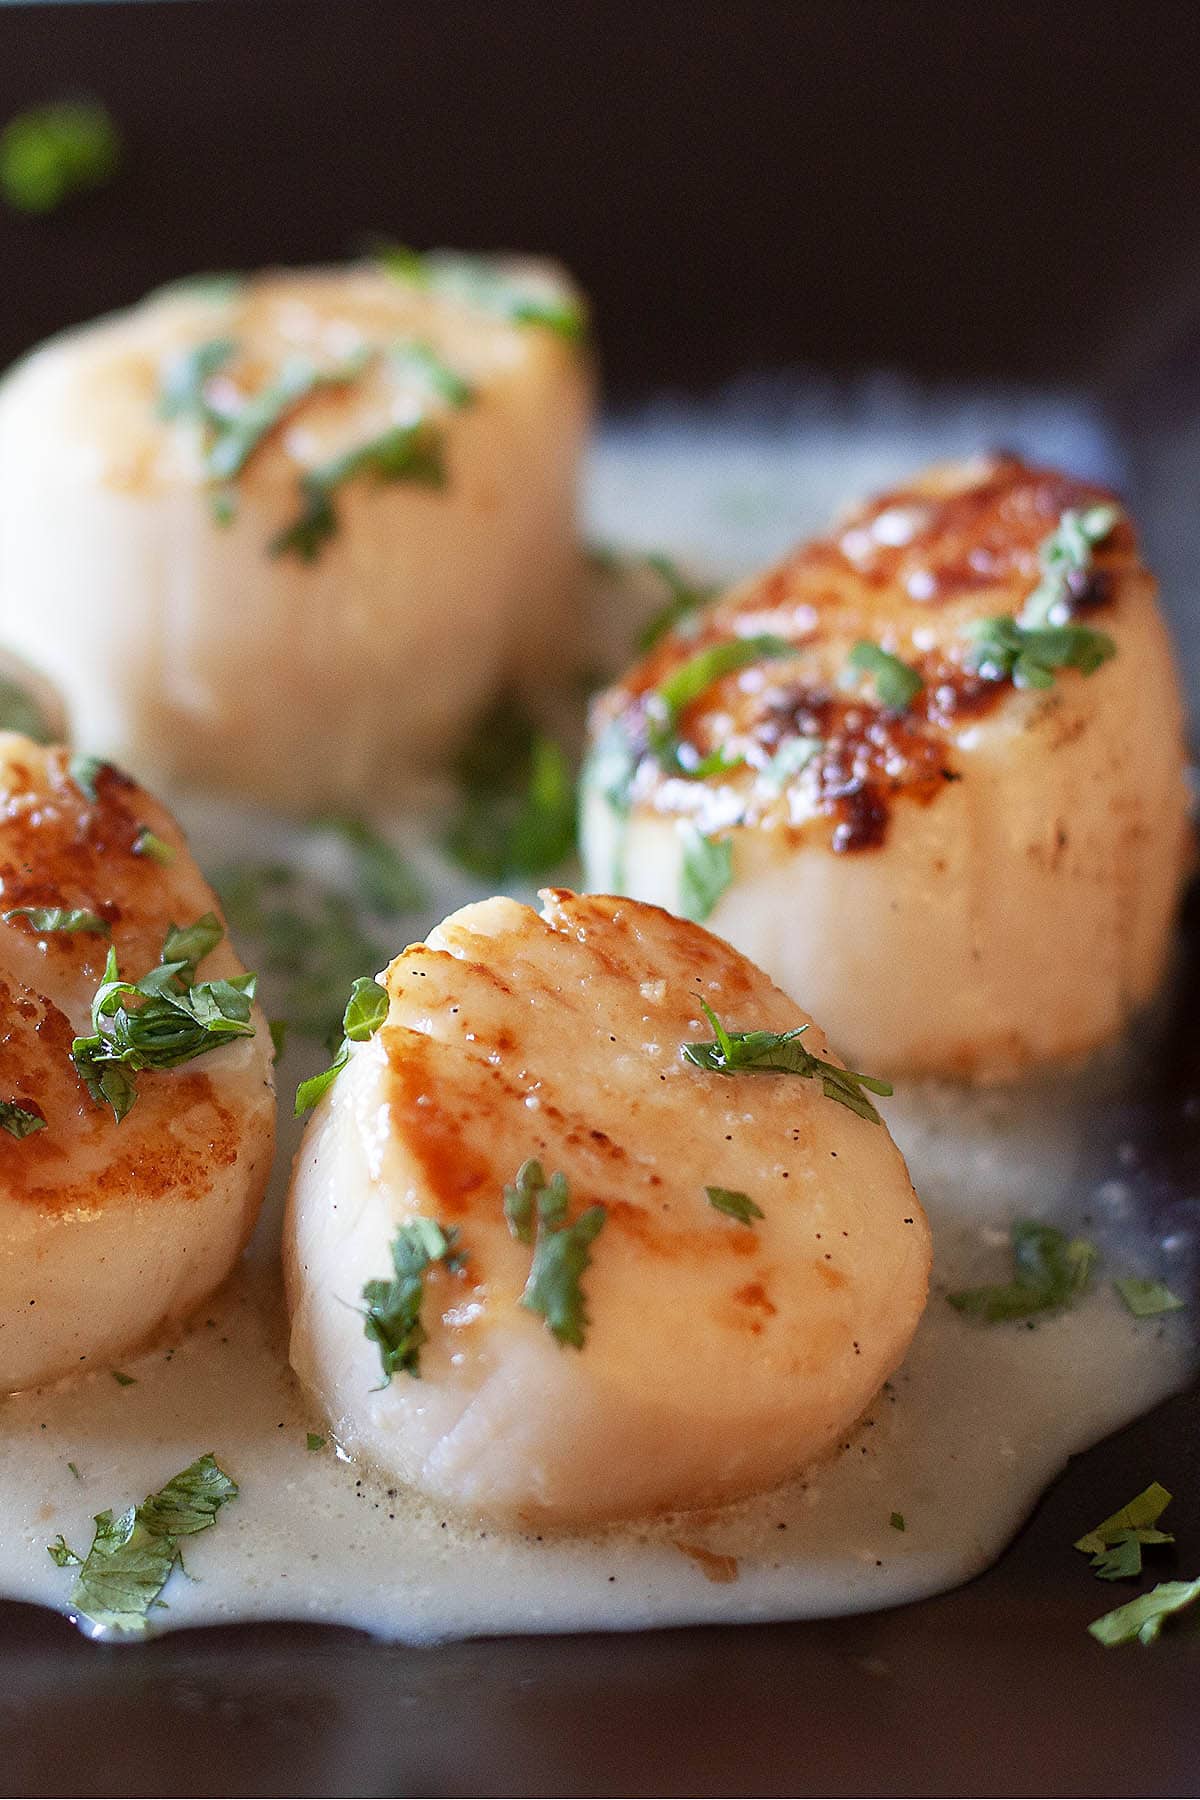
[1115,1545]
[18,1121]
[132,1557]
[1143,1618]
[315,1441]
[146,843]
[49,919]
[1066,563]
[393,1315]
[239,434]
[161,1021]
[123,1380]
[897,1522]
[666,704]
[184,378]
[1003,650]
[1050,1271]
[561,1256]
[401,453]
[737,1205]
[474,281]
[1146,1299]
[85,771]
[423,363]
[705,871]
[782,1053]
[366,1010]
[685,598]
[50,153]
[897,683]
[517,805]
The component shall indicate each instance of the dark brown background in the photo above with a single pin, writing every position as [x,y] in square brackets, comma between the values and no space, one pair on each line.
[948,188]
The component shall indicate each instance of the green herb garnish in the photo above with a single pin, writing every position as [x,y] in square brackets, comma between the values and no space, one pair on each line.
[315,1441]
[666,703]
[897,1522]
[132,1557]
[384,877]
[517,805]
[161,1021]
[897,684]
[184,377]
[52,152]
[1050,1271]
[479,283]
[366,1010]
[1002,650]
[1146,1299]
[782,1053]
[791,759]
[444,383]
[1066,560]
[1115,1545]
[393,1315]
[123,1380]
[536,1210]
[48,919]
[705,871]
[401,453]
[18,1121]
[146,843]
[85,771]
[1143,1618]
[239,434]
[685,598]
[737,1205]
[19,711]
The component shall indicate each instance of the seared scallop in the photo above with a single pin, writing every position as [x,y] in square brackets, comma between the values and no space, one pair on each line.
[566,1244]
[344,496]
[135,1137]
[929,773]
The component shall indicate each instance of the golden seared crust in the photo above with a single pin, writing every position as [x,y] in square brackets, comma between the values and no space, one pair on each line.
[485,1031]
[59,848]
[909,571]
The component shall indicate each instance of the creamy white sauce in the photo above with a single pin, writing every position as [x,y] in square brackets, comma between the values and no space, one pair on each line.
[960,1444]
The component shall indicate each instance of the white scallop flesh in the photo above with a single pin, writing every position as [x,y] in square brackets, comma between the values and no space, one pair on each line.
[188,650]
[719,1356]
[987,883]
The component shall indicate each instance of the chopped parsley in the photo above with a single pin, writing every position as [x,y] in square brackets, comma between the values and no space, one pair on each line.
[897,684]
[50,153]
[791,759]
[18,1121]
[1115,1545]
[477,282]
[1050,1271]
[239,434]
[384,877]
[517,807]
[278,1030]
[1143,1618]
[146,843]
[401,453]
[132,1557]
[85,771]
[444,383]
[314,1441]
[782,1053]
[184,378]
[48,919]
[309,936]
[161,1021]
[19,711]
[897,1522]
[736,1204]
[123,1380]
[1003,650]
[561,1256]
[705,871]
[366,1010]
[524,1197]
[393,1308]
[1146,1299]
[685,598]
[666,704]
[1066,562]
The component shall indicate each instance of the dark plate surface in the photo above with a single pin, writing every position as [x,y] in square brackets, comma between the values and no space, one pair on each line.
[750,185]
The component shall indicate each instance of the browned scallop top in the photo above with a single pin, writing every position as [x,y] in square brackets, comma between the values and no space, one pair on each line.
[58,848]
[910,571]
